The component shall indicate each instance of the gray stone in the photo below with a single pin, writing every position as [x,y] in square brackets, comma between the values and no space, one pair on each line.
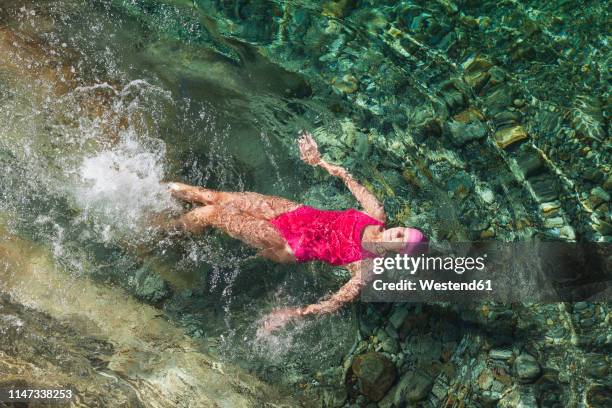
[500,354]
[412,387]
[607,185]
[460,185]
[498,100]
[598,196]
[149,286]
[334,397]
[398,317]
[554,222]
[506,118]
[462,133]
[544,187]
[526,367]
[490,396]
[387,342]
[597,365]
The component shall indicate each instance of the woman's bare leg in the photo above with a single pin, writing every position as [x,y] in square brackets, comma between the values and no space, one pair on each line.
[258,205]
[255,204]
[193,194]
[256,232]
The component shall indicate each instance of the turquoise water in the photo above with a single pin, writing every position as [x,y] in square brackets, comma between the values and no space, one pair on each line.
[470,120]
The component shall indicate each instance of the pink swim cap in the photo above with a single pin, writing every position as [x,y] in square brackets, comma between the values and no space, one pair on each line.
[416,242]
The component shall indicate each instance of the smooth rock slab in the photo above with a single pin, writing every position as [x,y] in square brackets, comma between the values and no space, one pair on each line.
[150,360]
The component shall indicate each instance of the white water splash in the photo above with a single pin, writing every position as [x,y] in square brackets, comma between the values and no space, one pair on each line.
[122,186]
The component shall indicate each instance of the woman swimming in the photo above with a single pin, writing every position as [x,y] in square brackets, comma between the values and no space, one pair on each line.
[285,231]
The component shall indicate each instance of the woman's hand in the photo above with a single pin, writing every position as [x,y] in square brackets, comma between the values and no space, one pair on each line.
[279,318]
[309,152]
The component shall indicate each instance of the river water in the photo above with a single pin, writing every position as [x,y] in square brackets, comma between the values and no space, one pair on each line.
[470,120]
[96,112]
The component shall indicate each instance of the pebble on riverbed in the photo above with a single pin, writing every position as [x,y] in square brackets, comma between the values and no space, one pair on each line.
[526,367]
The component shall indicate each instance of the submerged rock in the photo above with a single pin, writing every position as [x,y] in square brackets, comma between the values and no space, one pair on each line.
[462,133]
[149,286]
[414,386]
[526,367]
[508,136]
[108,348]
[376,373]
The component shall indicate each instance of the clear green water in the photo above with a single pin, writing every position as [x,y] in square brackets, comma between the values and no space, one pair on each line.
[213,93]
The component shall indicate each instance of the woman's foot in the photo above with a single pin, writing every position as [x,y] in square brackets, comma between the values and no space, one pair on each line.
[192,194]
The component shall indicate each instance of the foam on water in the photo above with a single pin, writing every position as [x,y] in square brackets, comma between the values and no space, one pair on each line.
[121,187]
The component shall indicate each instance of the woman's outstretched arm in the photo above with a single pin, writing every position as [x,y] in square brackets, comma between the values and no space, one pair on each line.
[310,155]
[346,294]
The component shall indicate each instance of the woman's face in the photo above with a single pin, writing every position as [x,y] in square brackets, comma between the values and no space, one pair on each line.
[404,240]
[395,239]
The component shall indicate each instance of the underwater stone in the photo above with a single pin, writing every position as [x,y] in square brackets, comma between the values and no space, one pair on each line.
[567,232]
[338,8]
[490,396]
[498,100]
[498,77]
[587,117]
[599,396]
[555,222]
[500,354]
[506,118]
[607,185]
[530,161]
[453,97]
[346,84]
[414,386]
[398,317]
[462,133]
[598,196]
[150,286]
[486,194]
[375,373]
[333,397]
[476,64]
[460,185]
[509,136]
[526,367]
[544,187]
[488,233]
[597,365]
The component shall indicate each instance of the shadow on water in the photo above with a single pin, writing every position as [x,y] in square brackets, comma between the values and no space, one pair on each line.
[82,164]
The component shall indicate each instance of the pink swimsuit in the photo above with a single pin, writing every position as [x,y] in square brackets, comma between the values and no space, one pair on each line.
[330,236]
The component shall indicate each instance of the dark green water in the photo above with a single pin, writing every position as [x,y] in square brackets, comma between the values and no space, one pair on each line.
[417,99]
